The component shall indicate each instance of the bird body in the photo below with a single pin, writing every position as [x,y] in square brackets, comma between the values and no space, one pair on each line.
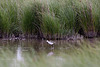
[50,42]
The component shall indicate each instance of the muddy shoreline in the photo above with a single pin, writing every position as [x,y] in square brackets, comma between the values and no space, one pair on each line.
[61,37]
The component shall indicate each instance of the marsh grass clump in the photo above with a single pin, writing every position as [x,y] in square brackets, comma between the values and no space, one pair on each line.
[71,17]
[32,18]
[96,16]
[67,17]
[29,17]
[51,25]
[64,11]
[8,14]
[86,19]
[0,25]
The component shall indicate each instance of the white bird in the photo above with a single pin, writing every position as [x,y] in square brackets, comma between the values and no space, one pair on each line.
[50,42]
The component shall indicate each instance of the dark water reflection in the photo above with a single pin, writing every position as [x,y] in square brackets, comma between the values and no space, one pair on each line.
[39,46]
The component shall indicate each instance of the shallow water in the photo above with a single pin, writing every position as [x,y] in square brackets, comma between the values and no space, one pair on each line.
[37,47]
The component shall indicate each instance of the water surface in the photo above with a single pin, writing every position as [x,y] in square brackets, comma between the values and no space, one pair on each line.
[13,51]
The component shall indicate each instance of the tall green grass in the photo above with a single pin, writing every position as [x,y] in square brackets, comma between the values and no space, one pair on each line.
[96,16]
[32,18]
[50,24]
[8,10]
[85,11]
[40,17]
[64,11]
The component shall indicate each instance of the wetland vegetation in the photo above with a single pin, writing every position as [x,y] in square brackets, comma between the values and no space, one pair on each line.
[49,19]
[28,26]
